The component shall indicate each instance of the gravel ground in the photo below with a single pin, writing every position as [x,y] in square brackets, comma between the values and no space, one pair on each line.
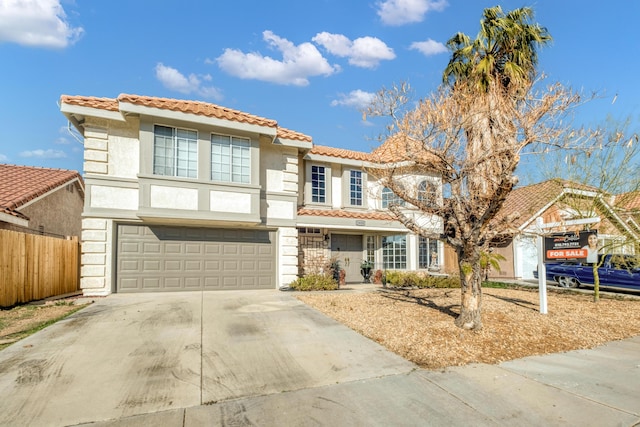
[418,324]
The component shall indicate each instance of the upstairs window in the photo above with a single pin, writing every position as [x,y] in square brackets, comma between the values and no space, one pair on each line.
[390,198]
[175,152]
[355,188]
[318,184]
[428,193]
[230,159]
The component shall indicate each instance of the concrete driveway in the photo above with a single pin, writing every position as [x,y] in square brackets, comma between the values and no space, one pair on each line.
[130,354]
[263,358]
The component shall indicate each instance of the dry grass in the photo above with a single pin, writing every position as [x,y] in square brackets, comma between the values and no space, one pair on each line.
[418,324]
[23,320]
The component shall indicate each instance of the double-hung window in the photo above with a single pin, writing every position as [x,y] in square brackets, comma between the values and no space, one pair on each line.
[230,159]
[175,152]
[318,184]
[355,188]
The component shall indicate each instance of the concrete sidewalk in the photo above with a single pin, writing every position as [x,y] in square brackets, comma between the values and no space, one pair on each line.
[263,358]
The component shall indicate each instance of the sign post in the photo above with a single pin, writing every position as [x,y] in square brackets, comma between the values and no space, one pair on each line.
[565,249]
[542,271]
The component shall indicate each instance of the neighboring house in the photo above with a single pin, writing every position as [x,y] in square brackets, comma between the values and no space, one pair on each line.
[557,202]
[189,195]
[41,200]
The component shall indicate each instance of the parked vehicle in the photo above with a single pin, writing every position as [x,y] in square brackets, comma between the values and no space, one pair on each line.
[615,271]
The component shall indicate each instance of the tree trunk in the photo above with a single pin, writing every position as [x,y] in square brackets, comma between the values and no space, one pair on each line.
[471,288]
[596,283]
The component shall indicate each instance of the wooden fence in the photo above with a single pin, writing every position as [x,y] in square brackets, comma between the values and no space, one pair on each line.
[34,267]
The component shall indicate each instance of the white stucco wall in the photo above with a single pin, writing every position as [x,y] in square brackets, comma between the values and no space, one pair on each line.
[96,258]
[224,201]
[281,209]
[113,197]
[287,255]
[173,197]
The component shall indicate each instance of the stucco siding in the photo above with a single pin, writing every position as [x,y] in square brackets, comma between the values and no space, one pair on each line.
[58,213]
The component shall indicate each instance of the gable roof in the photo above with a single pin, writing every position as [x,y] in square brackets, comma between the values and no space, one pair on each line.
[532,200]
[21,184]
[198,108]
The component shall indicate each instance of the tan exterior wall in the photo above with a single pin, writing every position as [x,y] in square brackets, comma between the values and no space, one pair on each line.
[59,214]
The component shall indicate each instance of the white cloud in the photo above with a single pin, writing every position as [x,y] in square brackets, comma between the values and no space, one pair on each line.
[400,12]
[365,52]
[297,65]
[36,23]
[429,47]
[3,158]
[356,98]
[44,154]
[175,80]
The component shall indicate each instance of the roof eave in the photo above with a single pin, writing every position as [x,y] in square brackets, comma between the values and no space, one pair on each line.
[126,107]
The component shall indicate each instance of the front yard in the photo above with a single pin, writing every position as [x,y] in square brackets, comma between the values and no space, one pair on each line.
[418,324]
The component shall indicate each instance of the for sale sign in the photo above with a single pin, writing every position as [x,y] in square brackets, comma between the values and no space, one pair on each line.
[578,245]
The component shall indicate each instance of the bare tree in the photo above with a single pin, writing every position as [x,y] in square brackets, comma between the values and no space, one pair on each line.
[472,132]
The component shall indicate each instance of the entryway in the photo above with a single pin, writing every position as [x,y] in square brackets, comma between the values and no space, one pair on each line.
[347,249]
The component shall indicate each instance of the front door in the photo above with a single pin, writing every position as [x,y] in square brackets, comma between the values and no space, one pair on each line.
[347,249]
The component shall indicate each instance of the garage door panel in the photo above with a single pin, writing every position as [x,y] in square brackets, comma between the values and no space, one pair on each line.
[150,283]
[163,258]
[173,248]
[171,283]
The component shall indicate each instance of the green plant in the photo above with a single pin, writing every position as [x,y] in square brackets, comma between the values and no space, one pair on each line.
[414,279]
[366,264]
[490,260]
[314,282]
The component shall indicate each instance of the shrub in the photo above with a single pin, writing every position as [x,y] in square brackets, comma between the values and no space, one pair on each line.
[314,282]
[419,279]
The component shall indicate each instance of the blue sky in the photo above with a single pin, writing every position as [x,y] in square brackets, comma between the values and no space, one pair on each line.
[310,65]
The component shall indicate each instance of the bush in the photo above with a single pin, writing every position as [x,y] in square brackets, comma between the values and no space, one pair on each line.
[314,282]
[418,279]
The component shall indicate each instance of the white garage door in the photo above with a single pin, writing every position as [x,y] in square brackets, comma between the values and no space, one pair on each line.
[163,258]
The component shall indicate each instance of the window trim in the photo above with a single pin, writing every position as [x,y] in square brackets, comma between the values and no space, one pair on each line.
[346,188]
[384,201]
[397,250]
[175,148]
[308,185]
[245,147]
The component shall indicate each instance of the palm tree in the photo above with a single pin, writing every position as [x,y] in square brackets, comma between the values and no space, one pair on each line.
[504,50]
[493,73]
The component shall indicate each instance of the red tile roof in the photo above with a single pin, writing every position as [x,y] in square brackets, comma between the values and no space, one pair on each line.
[628,201]
[338,213]
[397,148]
[530,199]
[21,184]
[191,107]
[340,153]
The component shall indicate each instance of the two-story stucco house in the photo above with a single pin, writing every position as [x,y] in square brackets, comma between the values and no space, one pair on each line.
[186,195]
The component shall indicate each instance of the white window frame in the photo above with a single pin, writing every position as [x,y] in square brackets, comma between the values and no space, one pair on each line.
[355,188]
[387,196]
[394,252]
[230,159]
[182,153]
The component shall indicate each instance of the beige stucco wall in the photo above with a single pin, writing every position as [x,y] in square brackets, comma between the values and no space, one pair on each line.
[59,212]
[121,185]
